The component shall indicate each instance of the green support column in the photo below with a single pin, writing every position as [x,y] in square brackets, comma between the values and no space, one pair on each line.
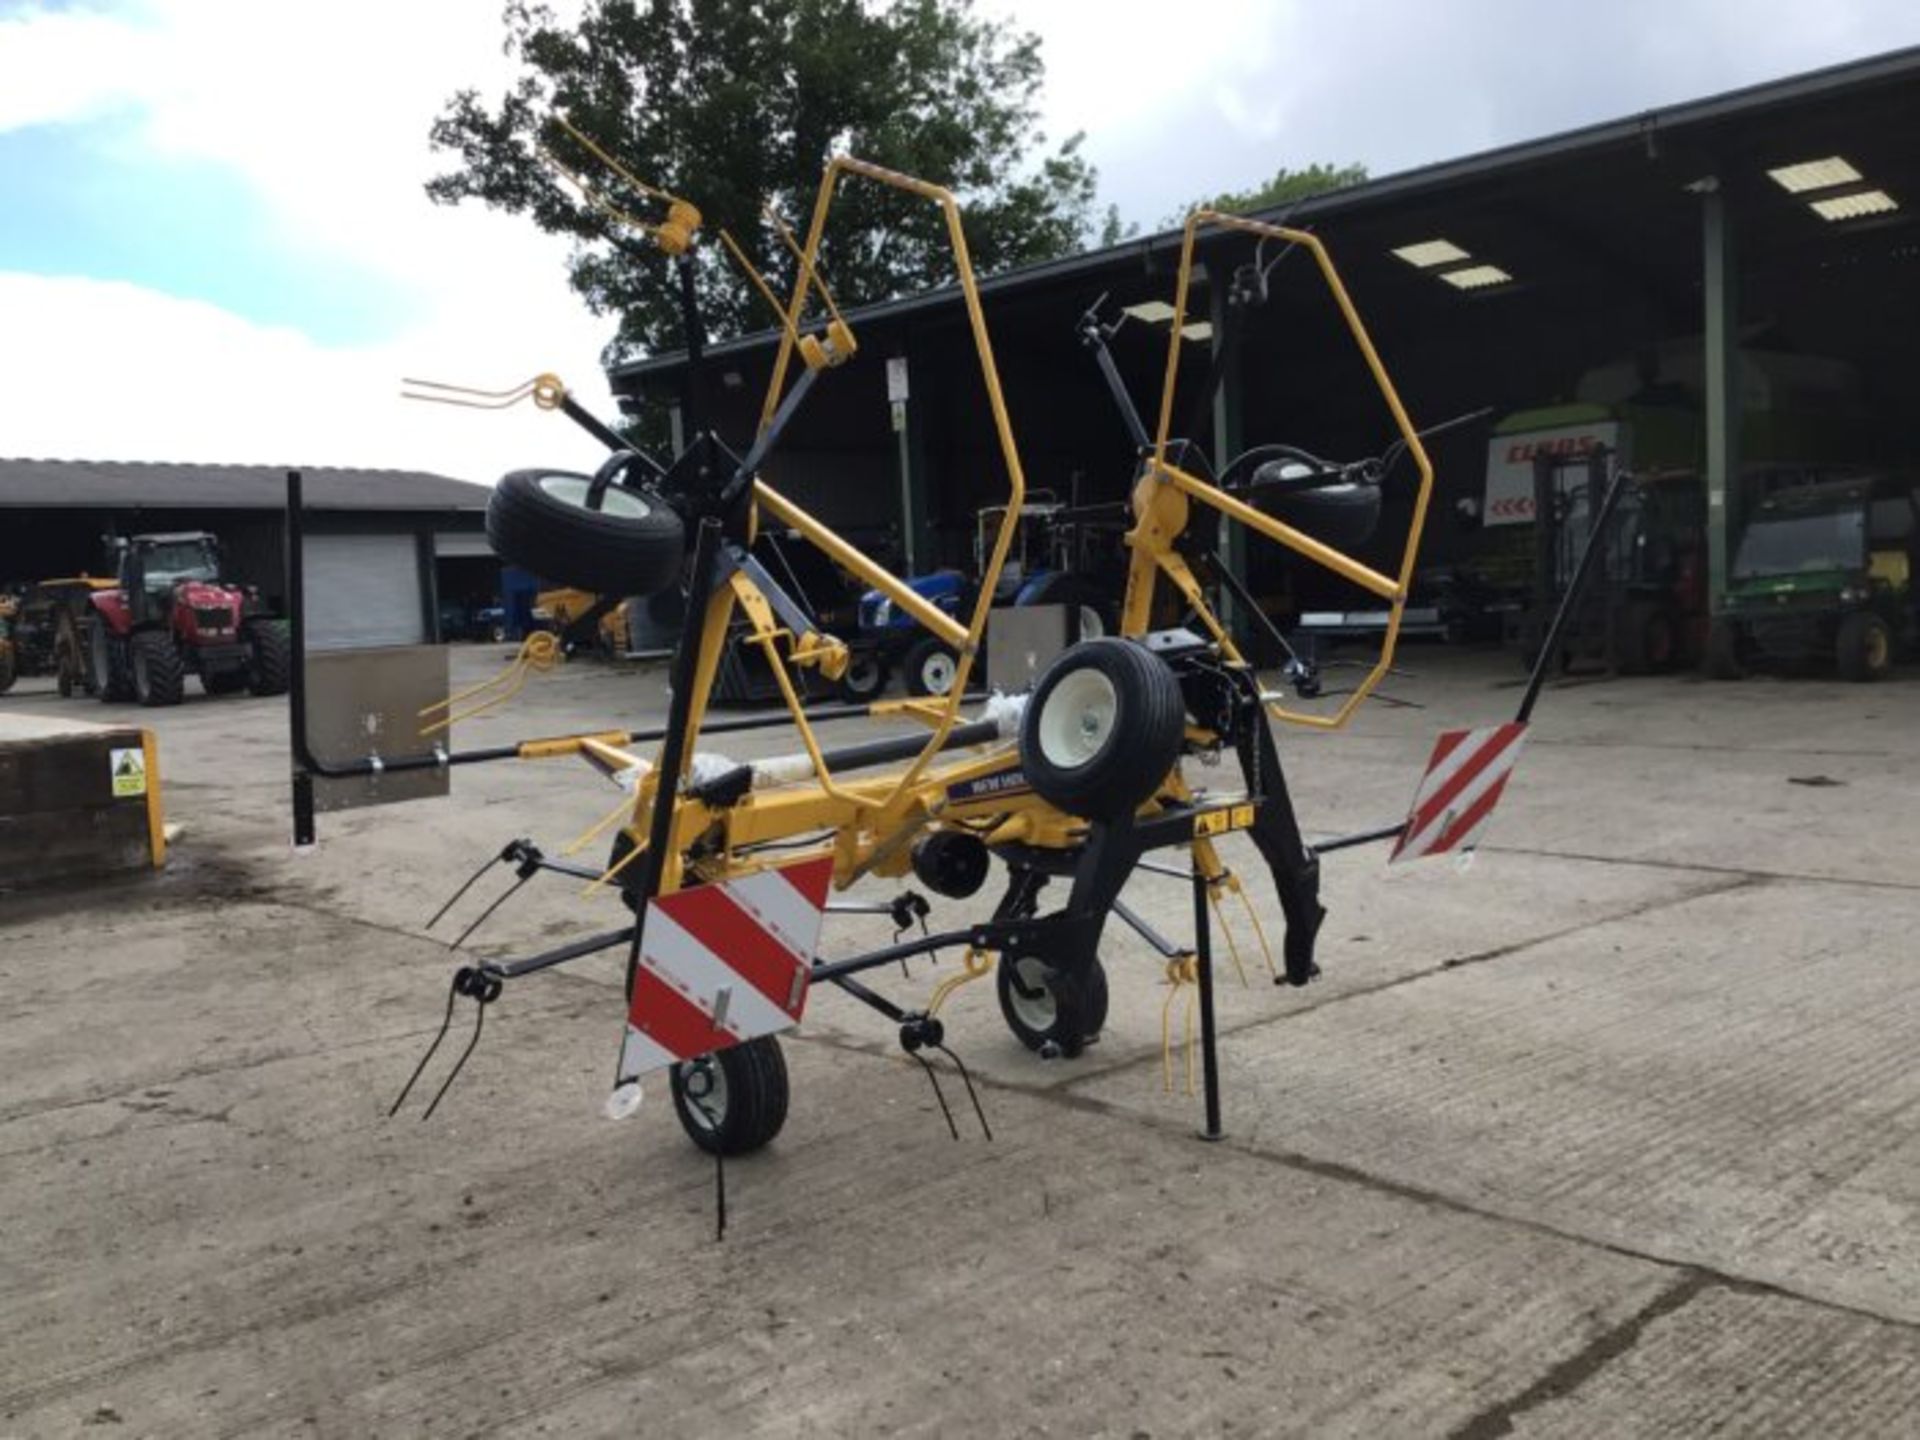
[1721,336]
[1229,410]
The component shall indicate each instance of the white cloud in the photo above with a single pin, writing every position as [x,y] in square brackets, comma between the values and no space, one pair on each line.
[104,370]
[323,112]
[64,65]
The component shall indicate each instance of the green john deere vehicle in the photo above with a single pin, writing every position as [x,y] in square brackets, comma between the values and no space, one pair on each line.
[1821,572]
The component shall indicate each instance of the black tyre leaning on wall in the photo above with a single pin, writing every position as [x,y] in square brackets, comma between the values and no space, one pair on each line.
[632,545]
[1103,728]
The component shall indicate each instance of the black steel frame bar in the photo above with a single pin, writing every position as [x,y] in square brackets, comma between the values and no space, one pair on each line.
[1138,924]
[673,751]
[559,955]
[1209,1034]
[1550,646]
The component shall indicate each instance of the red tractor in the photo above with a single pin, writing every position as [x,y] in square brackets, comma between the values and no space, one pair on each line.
[171,614]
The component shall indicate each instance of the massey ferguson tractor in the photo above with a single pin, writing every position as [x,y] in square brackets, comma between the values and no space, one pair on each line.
[171,615]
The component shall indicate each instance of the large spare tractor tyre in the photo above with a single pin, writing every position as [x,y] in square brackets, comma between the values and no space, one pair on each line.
[632,544]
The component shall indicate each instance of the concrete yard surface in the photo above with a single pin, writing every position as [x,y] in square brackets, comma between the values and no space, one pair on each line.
[1615,1131]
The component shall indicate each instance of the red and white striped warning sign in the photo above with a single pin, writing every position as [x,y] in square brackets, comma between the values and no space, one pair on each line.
[1465,775]
[723,963]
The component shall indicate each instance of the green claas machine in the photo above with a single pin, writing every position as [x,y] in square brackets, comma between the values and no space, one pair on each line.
[1821,572]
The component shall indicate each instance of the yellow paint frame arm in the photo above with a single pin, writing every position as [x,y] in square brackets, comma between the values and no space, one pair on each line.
[1393,589]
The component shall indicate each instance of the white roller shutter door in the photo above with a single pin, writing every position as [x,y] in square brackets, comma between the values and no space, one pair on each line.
[364,590]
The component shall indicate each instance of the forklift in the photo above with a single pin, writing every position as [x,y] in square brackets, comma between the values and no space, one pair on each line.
[1646,608]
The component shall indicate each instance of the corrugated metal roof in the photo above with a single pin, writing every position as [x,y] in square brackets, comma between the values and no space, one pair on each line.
[127,485]
[1896,66]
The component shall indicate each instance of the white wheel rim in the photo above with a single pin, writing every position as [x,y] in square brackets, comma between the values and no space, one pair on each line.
[1092,627]
[1038,1012]
[937,672]
[1078,718]
[572,490]
[707,1085]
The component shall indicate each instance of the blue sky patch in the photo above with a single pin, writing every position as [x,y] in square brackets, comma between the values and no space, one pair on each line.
[81,199]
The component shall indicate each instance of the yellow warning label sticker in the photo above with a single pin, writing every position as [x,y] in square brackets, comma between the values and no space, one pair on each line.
[1219,822]
[129,771]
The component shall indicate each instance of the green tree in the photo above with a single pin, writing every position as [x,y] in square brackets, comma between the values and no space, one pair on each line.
[1286,187]
[736,105]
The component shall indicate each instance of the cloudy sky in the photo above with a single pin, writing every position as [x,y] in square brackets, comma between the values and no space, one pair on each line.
[214,245]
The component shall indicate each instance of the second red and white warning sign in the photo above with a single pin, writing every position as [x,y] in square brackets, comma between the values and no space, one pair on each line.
[1465,775]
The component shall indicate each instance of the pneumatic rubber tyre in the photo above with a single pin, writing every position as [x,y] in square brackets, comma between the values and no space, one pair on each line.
[930,667]
[106,657]
[866,677]
[1103,728]
[1048,1009]
[269,658]
[1864,647]
[159,675]
[632,545]
[744,1090]
[1723,660]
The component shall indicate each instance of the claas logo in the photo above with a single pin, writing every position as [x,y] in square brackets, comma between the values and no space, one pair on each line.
[1562,446]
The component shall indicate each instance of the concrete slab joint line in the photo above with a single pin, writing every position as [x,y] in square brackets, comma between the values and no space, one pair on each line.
[1576,1370]
[1737,880]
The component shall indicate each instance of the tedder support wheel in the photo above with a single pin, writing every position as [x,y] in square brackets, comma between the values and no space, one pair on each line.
[269,658]
[1864,647]
[159,676]
[1103,728]
[632,545]
[930,667]
[741,1094]
[1048,1009]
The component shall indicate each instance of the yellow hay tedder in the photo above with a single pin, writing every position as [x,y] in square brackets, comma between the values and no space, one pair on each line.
[726,867]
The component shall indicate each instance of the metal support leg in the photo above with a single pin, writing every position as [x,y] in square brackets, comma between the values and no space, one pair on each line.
[1209,1050]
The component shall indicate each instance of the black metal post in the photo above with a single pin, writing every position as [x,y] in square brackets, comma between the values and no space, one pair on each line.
[692,414]
[1096,341]
[295,567]
[673,750]
[1364,837]
[1550,642]
[1209,1038]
